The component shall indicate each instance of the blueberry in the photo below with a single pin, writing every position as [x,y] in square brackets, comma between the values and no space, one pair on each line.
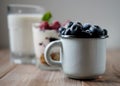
[85,34]
[69,24]
[62,32]
[96,31]
[105,32]
[75,29]
[96,26]
[67,32]
[89,31]
[86,26]
[61,29]
[79,24]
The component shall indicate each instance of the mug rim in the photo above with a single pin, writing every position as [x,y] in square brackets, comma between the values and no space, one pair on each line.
[74,36]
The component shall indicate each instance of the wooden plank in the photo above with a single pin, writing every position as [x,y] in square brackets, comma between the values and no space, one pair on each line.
[3,52]
[29,75]
[5,64]
[112,74]
[5,68]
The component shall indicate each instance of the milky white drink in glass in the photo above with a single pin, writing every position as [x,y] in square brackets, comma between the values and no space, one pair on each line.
[20,35]
[41,39]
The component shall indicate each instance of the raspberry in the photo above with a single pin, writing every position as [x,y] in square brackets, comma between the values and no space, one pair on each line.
[68,25]
[44,25]
[55,25]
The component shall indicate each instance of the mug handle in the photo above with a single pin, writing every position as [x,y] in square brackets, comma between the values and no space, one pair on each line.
[47,53]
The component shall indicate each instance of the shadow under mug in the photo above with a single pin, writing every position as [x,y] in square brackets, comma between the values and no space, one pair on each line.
[80,58]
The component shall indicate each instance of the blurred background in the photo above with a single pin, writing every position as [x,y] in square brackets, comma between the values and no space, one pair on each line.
[105,13]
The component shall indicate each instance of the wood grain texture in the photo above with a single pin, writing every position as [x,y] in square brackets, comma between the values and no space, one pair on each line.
[29,75]
[5,64]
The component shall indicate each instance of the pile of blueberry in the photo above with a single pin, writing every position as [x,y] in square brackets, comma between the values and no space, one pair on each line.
[83,31]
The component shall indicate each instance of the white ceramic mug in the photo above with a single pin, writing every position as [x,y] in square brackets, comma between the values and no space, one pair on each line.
[81,58]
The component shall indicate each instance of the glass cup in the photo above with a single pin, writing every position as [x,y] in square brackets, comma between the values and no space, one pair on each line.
[41,38]
[20,19]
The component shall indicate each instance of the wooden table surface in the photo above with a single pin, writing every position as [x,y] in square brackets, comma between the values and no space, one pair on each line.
[29,75]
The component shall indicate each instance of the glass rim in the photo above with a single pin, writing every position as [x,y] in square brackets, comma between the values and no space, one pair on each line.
[24,8]
[24,5]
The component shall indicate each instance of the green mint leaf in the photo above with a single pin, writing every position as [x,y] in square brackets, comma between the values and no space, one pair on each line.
[47,16]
